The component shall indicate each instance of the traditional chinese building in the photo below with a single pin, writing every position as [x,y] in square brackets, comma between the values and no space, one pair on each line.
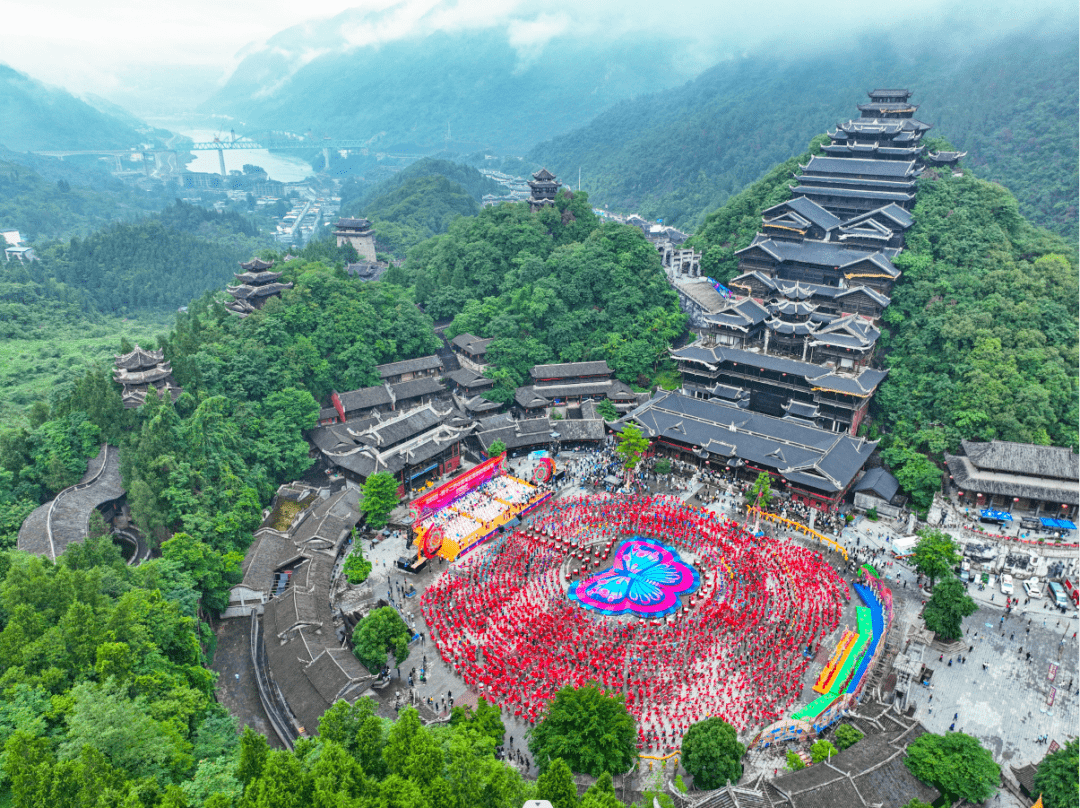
[359,234]
[257,284]
[543,188]
[814,465]
[820,394]
[1005,476]
[139,372]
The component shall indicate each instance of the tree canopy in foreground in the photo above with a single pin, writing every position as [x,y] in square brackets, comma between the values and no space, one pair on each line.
[589,729]
[955,764]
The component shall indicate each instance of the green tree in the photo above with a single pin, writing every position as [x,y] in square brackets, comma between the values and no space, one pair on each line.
[381,631]
[380,498]
[606,410]
[847,735]
[556,785]
[794,762]
[956,765]
[632,446]
[1057,777]
[760,493]
[496,448]
[712,753]
[253,751]
[601,794]
[821,750]
[935,555]
[917,803]
[948,606]
[589,729]
[356,567]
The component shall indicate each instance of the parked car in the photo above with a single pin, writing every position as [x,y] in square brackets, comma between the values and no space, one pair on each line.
[1033,588]
[1006,584]
[1058,596]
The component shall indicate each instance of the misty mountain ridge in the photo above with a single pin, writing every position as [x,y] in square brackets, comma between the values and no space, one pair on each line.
[493,92]
[35,116]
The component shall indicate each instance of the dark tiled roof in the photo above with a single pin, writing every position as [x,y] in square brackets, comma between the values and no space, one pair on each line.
[139,359]
[815,458]
[432,362]
[470,379]
[256,265]
[892,212]
[1024,458]
[863,384]
[570,370]
[528,398]
[878,481]
[414,388]
[1011,484]
[353,224]
[883,196]
[365,398]
[471,344]
[855,166]
[809,210]
[579,429]
[821,253]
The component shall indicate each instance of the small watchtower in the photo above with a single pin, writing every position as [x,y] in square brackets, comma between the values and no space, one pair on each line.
[544,187]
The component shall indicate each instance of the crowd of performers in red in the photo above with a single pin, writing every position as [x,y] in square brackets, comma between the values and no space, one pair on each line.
[501,617]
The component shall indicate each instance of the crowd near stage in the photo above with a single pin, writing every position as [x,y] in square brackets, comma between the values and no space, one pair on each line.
[684,613]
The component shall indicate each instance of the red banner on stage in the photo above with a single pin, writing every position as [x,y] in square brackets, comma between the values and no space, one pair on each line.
[423,507]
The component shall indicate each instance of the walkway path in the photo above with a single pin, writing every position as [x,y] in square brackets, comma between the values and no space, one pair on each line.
[53,526]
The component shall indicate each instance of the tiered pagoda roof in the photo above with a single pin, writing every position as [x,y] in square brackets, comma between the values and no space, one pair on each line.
[544,187]
[138,359]
[352,226]
[256,283]
[141,370]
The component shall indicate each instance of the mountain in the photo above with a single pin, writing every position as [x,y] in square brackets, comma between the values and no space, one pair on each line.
[677,154]
[405,95]
[34,116]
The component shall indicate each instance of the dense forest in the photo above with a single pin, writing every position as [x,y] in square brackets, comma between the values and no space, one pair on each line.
[680,153]
[555,286]
[158,263]
[50,199]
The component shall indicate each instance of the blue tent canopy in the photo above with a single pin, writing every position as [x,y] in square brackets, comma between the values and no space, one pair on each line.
[1057,524]
[996,516]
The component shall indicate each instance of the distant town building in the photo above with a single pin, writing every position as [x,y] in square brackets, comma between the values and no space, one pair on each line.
[359,234]
[257,285]
[20,254]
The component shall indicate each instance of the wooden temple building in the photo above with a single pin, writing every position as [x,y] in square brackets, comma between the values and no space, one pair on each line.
[543,188]
[257,284]
[782,374]
[139,372]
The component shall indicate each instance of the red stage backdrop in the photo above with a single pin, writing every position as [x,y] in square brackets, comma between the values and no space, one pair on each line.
[423,507]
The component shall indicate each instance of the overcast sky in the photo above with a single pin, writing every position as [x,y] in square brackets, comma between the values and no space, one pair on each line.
[101,46]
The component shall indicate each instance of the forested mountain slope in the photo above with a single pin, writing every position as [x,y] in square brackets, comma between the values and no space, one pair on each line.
[680,153]
[34,116]
[418,202]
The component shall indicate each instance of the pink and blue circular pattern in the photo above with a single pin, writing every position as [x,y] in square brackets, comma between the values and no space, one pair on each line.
[646,579]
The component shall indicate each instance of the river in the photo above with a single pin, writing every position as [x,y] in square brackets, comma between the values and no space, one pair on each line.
[278,166]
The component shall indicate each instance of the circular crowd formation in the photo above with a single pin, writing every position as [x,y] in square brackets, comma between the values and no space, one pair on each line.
[686,614]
